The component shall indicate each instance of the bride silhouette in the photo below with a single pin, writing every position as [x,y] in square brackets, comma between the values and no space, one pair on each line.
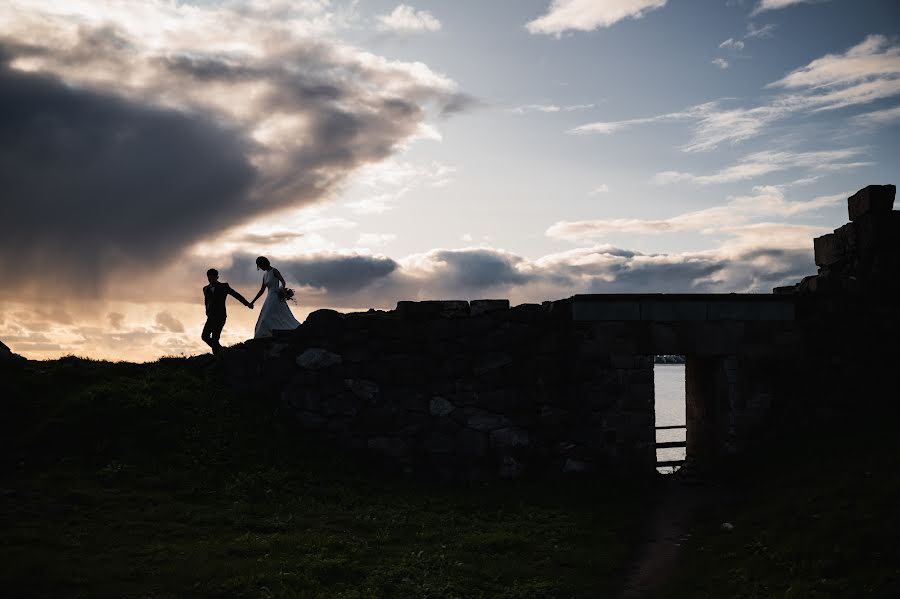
[275,313]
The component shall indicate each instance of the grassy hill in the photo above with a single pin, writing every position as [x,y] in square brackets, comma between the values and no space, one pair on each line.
[152,481]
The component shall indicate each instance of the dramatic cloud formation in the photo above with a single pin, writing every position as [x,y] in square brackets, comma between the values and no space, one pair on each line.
[148,128]
[587,15]
[406,19]
[865,73]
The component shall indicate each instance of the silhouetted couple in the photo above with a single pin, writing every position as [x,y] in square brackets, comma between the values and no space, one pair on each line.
[275,313]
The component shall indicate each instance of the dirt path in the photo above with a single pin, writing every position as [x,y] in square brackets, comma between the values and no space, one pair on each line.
[680,500]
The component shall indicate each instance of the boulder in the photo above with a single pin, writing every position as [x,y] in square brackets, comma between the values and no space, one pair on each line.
[483,306]
[440,406]
[874,199]
[426,310]
[316,358]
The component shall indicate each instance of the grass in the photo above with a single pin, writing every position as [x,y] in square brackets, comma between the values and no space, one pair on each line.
[813,518]
[123,480]
[154,481]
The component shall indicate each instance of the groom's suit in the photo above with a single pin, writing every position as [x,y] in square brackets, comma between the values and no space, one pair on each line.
[214,296]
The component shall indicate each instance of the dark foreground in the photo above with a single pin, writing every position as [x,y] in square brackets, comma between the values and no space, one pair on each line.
[151,481]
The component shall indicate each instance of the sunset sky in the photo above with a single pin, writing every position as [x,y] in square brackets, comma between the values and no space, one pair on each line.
[376,152]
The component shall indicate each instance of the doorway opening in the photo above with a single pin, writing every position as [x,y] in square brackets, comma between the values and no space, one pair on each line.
[669,390]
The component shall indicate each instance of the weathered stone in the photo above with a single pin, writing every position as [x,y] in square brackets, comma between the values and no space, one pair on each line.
[323,320]
[311,420]
[491,361]
[506,438]
[510,467]
[483,421]
[432,309]
[828,250]
[470,443]
[874,199]
[275,350]
[577,466]
[440,406]
[484,306]
[316,358]
[391,446]
[438,442]
[361,388]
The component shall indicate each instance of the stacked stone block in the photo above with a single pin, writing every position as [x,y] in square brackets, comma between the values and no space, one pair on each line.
[459,390]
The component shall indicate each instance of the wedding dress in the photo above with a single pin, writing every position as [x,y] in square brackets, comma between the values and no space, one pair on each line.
[275,313]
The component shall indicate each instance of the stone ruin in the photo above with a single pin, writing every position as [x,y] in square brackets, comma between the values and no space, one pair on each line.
[480,389]
[456,389]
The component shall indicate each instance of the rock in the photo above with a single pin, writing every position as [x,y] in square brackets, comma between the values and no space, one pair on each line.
[439,443]
[491,361]
[275,350]
[362,388]
[506,438]
[470,443]
[311,420]
[484,306]
[510,467]
[323,320]
[316,358]
[828,250]
[389,446]
[577,466]
[432,309]
[483,421]
[875,199]
[440,406]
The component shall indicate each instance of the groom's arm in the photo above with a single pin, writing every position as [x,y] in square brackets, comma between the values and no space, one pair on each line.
[239,297]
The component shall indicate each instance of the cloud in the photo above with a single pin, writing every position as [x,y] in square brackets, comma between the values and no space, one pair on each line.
[375,239]
[380,186]
[766,162]
[765,5]
[602,188]
[720,62]
[116,319]
[588,15]
[549,108]
[762,32]
[878,117]
[732,217]
[867,72]
[227,113]
[406,19]
[167,322]
[873,58]
[732,44]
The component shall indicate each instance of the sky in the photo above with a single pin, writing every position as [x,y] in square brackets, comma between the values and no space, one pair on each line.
[378,151]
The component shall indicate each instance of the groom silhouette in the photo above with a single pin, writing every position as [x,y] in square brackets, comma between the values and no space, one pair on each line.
[214,296]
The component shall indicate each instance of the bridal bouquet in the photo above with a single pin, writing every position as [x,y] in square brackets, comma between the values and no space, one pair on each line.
[286,295]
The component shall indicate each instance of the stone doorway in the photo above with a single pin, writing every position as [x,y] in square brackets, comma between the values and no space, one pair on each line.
[669,411]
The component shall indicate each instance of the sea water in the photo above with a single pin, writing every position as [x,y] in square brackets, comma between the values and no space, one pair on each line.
[668,381]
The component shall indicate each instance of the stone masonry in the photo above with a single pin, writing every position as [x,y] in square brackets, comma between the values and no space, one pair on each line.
[476,390]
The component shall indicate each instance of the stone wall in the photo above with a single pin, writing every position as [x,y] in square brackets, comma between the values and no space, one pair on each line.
[460,390]
[472,390]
